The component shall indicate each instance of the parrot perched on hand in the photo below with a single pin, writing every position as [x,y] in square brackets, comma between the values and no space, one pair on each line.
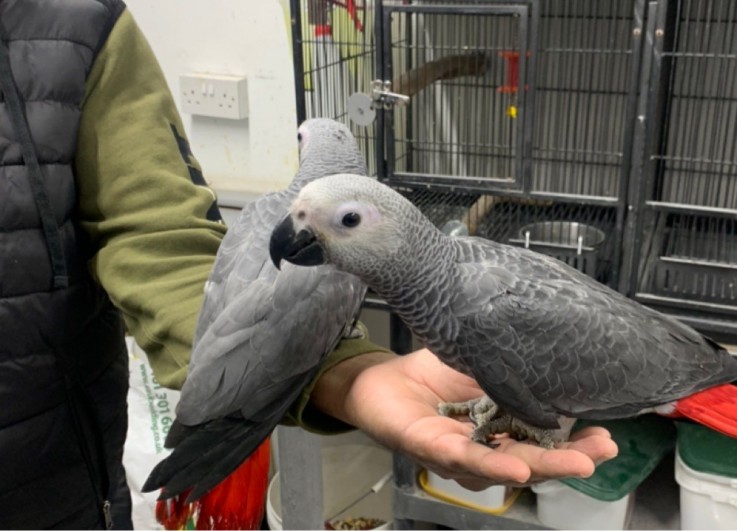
[260,338]
[545,342]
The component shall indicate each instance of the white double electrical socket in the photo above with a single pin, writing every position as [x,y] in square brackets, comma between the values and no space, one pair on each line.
[215,95]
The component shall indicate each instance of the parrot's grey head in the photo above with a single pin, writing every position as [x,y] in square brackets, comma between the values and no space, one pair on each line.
[348,220]
[327,147]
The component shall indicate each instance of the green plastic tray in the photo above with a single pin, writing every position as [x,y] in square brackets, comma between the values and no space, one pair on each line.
[643,441]
[705,450]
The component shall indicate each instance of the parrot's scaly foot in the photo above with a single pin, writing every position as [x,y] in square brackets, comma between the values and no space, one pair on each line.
[454,409]
[488,420]
[517,429]
[484,411]
[479,410]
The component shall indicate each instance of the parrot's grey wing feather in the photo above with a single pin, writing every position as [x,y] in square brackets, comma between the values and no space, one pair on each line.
[274,331]
[252,225]
[580,348]
[261,327]
[264,336]
[499,363]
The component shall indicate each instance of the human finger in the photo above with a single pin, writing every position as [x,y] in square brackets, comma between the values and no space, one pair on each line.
[456,456]
[553,463]
[598,446]
[590,430]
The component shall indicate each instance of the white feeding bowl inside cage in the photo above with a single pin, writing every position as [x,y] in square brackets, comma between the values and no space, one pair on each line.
[569,234]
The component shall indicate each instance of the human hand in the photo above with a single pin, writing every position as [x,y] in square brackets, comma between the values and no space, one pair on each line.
[394,399]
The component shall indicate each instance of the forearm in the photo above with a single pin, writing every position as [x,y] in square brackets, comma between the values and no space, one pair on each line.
[329,388]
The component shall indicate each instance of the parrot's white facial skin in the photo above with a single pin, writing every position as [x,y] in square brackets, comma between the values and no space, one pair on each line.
[351,230]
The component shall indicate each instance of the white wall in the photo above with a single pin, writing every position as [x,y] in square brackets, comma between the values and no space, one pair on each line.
[237,37]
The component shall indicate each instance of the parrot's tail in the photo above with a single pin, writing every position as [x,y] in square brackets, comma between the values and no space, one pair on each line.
[237,502]
[205,455]
[715,408]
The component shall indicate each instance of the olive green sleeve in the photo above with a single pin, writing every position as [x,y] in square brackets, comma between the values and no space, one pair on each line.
[138,202]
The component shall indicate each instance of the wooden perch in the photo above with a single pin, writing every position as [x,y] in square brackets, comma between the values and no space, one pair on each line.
[483,205]
[449,67]
[478,211]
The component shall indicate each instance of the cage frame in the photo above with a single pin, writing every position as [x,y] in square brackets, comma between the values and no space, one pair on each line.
[712,317]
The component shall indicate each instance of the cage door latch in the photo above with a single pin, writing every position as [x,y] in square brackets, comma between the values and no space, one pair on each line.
[381,93]
[362,107]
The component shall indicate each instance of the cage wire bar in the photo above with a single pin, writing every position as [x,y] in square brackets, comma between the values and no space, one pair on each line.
[523,121]
[584,88]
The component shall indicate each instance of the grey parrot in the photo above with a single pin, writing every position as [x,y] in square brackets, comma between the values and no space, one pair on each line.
[545,342]
[261,333]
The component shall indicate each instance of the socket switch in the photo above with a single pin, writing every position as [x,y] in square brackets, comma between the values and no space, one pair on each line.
[215,95]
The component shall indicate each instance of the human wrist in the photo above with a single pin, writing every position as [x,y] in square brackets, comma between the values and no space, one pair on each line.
[333,392]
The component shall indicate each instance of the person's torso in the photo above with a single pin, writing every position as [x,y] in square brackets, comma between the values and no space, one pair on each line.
[51,47]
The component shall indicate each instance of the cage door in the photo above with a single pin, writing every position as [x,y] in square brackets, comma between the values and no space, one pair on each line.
[465,70]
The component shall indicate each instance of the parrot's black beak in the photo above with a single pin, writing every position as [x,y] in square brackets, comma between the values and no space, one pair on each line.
[300,248]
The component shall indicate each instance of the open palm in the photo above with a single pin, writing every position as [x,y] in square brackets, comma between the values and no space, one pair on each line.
[395,401]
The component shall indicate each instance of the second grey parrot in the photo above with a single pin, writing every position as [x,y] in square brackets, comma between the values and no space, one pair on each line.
[544,341]
[261,334]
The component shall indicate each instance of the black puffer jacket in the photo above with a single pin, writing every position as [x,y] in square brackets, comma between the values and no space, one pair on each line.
[63,367]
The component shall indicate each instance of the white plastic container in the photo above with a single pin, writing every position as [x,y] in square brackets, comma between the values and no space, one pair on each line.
[708,501]
[348,471]
[562,507]
[492,499]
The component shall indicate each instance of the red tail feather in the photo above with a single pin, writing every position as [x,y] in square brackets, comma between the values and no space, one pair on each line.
[715,408]
[237,502]
[173,513]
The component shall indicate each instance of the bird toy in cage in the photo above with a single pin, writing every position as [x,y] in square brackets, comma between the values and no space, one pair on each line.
[512,84]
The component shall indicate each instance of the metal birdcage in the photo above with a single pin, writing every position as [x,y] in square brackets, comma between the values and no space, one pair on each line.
[595,131]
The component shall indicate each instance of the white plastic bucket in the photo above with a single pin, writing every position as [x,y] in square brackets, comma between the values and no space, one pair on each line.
[562,507]
[348,471]
[708,501]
